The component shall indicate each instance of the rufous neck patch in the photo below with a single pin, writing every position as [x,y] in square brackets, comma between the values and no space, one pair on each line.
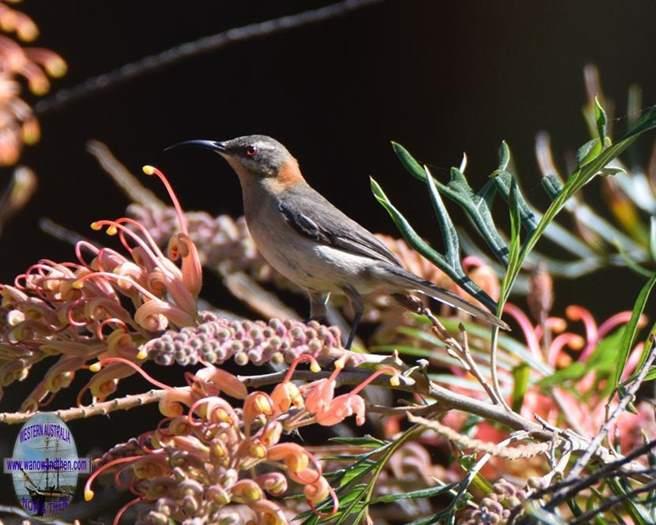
[289,174]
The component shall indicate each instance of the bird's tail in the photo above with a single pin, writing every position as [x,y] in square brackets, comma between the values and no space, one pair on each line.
[408,281]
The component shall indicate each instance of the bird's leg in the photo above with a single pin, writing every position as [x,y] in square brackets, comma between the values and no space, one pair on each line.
[358,310]
[318,302]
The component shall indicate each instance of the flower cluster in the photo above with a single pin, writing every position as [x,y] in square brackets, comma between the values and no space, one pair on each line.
[18,125]
[104,304]
[558,350]
[215,340]
[209,461]
[495,507]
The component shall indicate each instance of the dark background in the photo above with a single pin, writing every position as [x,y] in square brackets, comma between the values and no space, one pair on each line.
[439,77]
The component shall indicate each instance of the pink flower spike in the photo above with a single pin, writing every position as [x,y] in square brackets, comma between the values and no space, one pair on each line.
[182,220]
[320,393]
[192,270]
[221,380]
[619,319]
[526,327]
[381,371]
[88,493]
[154,316]
[342,407]
[124,508]
[578,313]
[110,360]
[573,341]
[314,366]
[471,262]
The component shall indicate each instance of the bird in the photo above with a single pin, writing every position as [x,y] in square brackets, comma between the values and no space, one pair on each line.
[310,241]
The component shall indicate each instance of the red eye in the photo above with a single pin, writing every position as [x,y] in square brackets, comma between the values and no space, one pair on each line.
[251,151]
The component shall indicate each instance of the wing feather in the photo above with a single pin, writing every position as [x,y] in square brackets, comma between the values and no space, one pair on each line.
[312,216]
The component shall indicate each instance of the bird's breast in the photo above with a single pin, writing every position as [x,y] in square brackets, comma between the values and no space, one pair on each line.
[302,260]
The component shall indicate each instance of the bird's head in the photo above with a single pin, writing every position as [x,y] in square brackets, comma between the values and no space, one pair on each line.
[251,156]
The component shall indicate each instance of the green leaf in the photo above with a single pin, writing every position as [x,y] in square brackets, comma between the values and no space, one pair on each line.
[459,191]
[601,120]
[364,441]
[504,181]
[431,492]
[449,234]
[456,273]
[552,184]
[521,375]
[631,330]
[583,175]
[515,243]
[602,361]
[573,372]
[588,152]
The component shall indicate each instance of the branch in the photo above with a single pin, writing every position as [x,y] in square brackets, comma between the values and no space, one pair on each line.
[206,44]
[487,447]
[97,409]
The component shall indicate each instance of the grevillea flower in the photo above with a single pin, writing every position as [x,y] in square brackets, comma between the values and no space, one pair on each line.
[216,340]
[18,125]
[104,304]
[207,460]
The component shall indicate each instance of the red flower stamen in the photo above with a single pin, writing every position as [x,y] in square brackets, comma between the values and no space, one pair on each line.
[109,360]
[182,220]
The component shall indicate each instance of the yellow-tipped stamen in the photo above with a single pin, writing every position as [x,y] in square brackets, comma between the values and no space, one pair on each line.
[88,495]
[152,170]
[95,367]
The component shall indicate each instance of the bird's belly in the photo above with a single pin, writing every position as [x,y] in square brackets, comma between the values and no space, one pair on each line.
[312,265]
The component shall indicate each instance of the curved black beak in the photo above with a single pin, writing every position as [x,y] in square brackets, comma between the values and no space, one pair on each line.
[212,145]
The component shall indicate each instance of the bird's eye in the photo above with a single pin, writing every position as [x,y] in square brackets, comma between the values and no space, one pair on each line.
[250,151]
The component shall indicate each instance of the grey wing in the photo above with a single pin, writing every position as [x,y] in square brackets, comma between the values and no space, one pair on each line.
[311,215]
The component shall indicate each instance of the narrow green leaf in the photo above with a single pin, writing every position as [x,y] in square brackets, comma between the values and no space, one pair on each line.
[364,441]
[583,175]
[416,494]
[631,329]
[449,234]
[504,180]
[573,372]
[458,191]
[601,119]
[419,244]
[521,375]
[552,184]
[515,243]
[588,152]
